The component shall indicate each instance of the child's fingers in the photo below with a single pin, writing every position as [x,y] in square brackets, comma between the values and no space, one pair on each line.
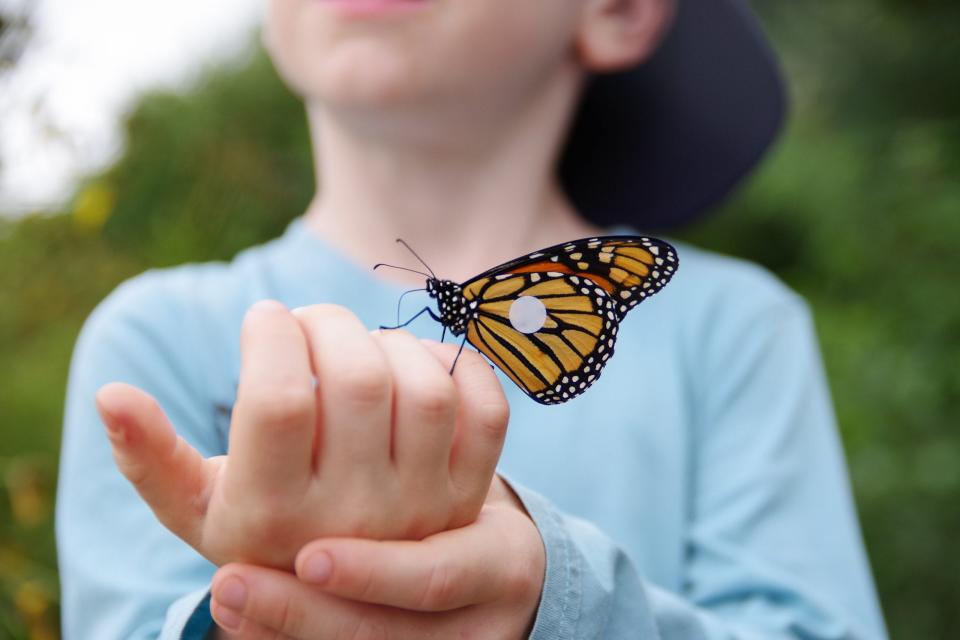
[354,391]
[274,424]
[482,419]
[171,476]
[235,627]
[252,599]
[424,410]
[481,562]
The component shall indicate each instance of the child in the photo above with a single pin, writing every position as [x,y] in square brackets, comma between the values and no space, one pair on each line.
[696,491]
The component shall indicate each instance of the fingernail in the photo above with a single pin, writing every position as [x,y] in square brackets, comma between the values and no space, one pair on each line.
[232,593]
[317,568]
[226,618]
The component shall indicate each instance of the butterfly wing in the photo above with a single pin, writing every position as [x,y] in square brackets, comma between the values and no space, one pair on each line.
[555,348]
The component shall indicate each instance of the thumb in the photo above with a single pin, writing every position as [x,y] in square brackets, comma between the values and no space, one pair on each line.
[170,475]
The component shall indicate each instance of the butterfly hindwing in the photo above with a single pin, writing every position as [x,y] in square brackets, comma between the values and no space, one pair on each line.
[559,355]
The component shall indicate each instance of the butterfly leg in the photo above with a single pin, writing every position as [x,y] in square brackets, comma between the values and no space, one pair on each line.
[459,351]
[444,334]
[418,314]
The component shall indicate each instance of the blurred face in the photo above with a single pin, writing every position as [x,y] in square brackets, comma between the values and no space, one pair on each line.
[415,53]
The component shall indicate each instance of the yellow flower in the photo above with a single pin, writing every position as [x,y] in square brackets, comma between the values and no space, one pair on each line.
[27,496]
[93,206]
[31,600]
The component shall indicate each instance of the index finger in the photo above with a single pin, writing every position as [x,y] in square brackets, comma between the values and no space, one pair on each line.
[274,423]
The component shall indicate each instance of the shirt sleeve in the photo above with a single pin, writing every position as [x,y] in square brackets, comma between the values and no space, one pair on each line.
[773,548]
[123,573]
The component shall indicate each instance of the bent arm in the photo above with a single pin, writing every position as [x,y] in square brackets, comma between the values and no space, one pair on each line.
[773,548]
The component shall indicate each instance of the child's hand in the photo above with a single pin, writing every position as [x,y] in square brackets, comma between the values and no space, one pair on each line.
[483,580]
[385,445]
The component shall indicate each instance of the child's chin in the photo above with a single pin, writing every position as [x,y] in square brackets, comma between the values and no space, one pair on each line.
[365,74]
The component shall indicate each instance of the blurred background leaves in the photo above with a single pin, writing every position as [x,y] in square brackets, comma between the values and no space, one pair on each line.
[858,208]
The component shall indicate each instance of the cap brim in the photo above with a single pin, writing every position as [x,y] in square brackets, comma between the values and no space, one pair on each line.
[658,145]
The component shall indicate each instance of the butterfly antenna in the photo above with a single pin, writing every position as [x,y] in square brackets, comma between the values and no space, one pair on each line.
[393,266]
[410,249]
[401,300]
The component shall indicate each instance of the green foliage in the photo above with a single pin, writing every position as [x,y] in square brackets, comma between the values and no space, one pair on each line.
[857,209]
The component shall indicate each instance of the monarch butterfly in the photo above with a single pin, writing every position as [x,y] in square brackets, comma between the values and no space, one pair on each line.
[549,319]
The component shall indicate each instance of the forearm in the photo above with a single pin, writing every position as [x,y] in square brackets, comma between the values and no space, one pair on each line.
[592,589]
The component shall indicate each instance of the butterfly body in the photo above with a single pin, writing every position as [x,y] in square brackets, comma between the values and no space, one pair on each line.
[549,320]
[455,311]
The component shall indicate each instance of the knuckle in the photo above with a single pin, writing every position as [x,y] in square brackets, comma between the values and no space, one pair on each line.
[441,588]
[136,473]
[282,405]
[492,418]
[435,401]
[363,382]
[290,618]
[366,584]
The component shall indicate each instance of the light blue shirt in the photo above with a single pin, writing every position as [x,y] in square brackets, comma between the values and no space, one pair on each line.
[697,491]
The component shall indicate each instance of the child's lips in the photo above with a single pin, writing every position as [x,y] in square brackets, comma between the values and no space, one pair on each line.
[372,8]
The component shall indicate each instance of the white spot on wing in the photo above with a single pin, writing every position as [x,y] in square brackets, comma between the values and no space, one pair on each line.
[527,314]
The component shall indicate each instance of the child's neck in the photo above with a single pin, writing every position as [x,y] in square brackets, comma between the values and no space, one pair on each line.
[466,198]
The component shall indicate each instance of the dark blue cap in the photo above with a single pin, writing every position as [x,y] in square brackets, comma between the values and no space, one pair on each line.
[660,144]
